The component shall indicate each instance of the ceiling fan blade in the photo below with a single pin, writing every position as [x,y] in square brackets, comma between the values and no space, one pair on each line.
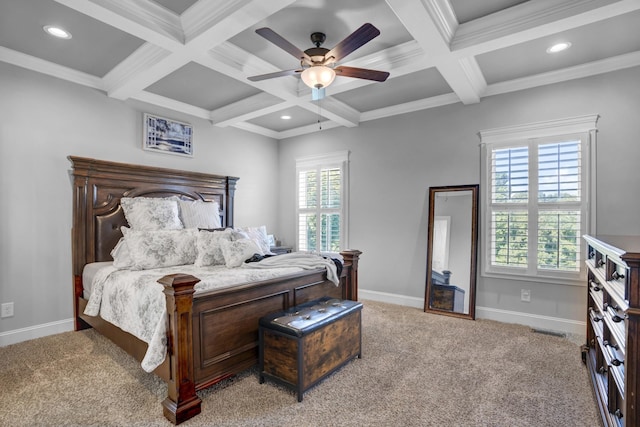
[282,43]
[361,73]
[273,75]
[353,41]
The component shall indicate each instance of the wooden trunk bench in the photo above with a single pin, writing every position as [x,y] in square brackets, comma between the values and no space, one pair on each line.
[302,346]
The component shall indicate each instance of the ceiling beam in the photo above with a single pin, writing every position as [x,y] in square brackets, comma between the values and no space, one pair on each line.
[141,18]
[247,109]
[213,21]
[532,20]
[432,23]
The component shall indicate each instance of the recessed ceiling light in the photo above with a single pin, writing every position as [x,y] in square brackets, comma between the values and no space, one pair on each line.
[59,32]
[285,117]
[559,47]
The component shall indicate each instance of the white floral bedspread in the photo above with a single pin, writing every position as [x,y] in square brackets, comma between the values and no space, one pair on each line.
[134,301]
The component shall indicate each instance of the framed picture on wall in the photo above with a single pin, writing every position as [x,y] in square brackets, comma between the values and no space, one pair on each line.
[168,136]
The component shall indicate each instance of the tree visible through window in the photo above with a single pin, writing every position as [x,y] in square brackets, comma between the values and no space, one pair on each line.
[536,201]
[559,184]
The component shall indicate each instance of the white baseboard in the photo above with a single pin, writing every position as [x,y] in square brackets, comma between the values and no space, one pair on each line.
[391,298]
[37,331]
[536,321]
[545,323]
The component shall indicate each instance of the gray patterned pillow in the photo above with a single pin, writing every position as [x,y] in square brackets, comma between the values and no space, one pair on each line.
[121,256]
[237,252]
[209,247]
[160,248]
[151,213]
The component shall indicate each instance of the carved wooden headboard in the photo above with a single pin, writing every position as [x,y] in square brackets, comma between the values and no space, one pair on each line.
[98,186]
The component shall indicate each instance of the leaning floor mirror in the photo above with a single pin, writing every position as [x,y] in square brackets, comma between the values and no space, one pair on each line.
[452,250]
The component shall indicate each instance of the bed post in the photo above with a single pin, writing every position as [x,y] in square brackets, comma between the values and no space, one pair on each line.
[231,191]
[182,402]
[351,257]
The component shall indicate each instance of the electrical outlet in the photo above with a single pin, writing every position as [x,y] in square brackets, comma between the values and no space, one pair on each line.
[6,309]
[525,295]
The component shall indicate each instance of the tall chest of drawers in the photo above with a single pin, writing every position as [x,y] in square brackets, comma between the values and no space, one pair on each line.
[612,350]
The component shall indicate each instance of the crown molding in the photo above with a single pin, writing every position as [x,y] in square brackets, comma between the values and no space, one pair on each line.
[443,17]
[603,66]
[141,18]
[45,67]
[568,125]
[250,127]
[410,107]
[171,104]
[134,66]
[247,109]
[513,25]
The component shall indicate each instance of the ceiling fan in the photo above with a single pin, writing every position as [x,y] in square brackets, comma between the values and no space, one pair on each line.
[317,64]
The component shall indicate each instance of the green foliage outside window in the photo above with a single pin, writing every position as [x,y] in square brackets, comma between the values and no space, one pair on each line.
[319,223]
[558,236]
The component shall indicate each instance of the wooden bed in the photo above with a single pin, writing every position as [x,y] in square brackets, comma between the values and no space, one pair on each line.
[213,335]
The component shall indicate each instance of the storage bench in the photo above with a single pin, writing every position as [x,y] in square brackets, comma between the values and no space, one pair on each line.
[301,346]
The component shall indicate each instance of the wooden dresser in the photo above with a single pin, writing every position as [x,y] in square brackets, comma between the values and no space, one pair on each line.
[612,350]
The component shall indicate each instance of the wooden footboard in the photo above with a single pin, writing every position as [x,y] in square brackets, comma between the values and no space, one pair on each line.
[215,335]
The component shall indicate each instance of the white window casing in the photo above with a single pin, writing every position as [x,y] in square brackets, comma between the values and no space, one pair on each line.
[538,199]
[319,209]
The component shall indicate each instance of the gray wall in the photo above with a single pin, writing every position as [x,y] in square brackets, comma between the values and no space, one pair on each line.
[393,163]
[395,160]
[42,121]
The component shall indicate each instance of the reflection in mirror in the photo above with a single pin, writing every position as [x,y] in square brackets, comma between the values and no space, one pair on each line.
[452,250]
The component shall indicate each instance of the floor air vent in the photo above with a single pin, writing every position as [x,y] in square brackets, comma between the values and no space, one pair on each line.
[544,331]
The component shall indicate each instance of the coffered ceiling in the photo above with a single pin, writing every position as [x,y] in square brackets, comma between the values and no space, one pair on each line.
[194,56]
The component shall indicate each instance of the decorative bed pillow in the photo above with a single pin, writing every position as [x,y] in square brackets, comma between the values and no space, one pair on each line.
[121,256]
[151,213]
[238,251]
[209,247]
[160,248]
[258,235]
[199,214]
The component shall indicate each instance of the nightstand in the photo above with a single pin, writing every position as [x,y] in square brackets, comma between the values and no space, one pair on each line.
[279,250]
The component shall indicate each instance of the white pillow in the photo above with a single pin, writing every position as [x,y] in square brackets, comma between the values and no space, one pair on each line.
[238,251]
[160,248]
[121,256]
[151,213]
[258,235]
[209,247]
[199,214]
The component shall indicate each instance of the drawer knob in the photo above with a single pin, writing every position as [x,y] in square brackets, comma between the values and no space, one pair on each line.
[594,286]
[615,275]
[602,370]
[607,343]
[616,362]
[617,318]
[618,413]
[600,262]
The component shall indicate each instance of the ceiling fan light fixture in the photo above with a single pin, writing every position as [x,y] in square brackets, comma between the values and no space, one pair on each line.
[318,76]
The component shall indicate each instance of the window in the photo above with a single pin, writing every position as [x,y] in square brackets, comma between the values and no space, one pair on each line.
[537,193]
[322,208]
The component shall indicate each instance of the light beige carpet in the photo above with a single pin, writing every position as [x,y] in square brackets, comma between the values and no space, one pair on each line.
[417,369]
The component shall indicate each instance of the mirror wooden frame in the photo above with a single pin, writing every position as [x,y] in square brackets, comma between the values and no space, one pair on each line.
[473,255]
